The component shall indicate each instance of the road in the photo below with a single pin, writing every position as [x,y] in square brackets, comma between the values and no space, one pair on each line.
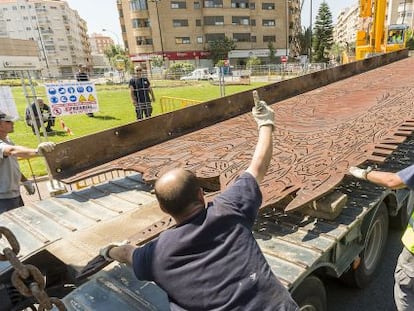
[378,295]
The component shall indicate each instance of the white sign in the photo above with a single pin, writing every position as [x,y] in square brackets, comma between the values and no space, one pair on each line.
[7,103]
[72,98]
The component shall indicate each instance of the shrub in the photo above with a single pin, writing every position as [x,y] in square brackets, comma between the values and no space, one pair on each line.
[177,70]
[16,82]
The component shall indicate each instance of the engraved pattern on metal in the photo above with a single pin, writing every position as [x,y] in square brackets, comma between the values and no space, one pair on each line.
[318,135]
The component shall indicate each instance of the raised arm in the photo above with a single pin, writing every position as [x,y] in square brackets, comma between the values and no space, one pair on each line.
[386,179]
[264,116]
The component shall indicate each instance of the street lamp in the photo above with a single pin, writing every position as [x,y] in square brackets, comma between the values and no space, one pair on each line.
[310,34]
[114,33]
[287,27]
[159,28]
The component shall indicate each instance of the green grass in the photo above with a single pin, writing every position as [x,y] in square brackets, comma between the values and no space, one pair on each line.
[115,109]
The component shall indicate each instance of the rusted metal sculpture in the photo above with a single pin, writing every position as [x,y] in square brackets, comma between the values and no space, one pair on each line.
[318,135]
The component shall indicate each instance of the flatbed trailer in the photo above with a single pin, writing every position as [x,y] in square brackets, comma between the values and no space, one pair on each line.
[61,234]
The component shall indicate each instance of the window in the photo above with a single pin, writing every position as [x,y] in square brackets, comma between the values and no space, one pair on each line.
[240,20]
[210,37]
[182,40]
[197,5]
[200,39]
[143,41]
[269,38]
[252,5]
[241,37]
[253,22]
[178,5]
[138,5]
[140,23]
[213,3]
[213,20]
[198,22]
[268,22]
[14,8]
[240,4]
[253,38]
[180,22]
[268,6]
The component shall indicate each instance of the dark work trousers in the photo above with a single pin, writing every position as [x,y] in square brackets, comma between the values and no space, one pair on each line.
[142,110]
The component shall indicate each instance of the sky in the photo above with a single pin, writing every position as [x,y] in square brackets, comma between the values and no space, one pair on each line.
[103,14]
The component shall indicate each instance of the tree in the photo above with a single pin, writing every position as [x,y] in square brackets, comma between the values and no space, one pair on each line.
[118,58]
[219,49]
[272,52]
[304,41]
[322,34]
[253,61]
[157,61]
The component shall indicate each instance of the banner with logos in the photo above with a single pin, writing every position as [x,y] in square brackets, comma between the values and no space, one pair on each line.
[72,98]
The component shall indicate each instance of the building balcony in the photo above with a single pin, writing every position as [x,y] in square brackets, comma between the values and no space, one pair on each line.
[142,32]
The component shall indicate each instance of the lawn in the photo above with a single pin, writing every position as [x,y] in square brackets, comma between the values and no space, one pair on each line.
[115,109]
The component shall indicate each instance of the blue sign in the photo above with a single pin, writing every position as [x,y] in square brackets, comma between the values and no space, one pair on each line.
[54,99]
[52,91]
[62,90]
[80,89]
[73,98]
[63,99]
[71,90]
[89,89]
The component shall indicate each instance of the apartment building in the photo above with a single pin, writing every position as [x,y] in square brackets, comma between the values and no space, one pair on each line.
[180,30]
[403,12]
[99,43]
[347,25]
[58,30]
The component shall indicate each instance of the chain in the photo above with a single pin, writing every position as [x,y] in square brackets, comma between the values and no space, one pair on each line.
[27,279]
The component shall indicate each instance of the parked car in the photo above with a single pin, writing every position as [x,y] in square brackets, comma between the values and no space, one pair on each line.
[198,74]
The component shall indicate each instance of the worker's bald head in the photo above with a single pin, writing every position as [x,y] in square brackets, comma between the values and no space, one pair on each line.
[176,190]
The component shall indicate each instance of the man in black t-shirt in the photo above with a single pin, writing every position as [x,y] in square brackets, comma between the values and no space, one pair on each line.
[210,260]
[141,94]
[82,75]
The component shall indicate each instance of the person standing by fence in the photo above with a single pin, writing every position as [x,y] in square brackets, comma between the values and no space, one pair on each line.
[82,75]
[141,94]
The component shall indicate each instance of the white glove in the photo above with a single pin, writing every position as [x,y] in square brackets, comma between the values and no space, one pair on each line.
[360,172]
[28,185]
[104,252]
[45,116]
[262,113]
[45,147]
